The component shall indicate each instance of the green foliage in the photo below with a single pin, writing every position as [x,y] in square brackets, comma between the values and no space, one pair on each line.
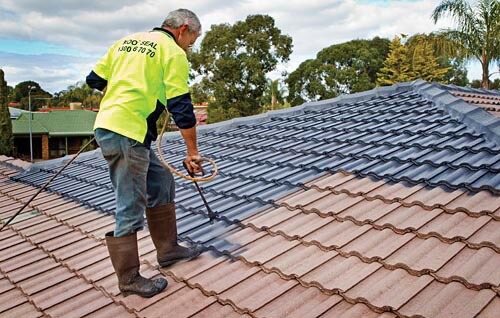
[495,84]
[6,138]
[396,67]
[477,31]
[39,97]
[415,59]
[79,92]
[233,61]
[274,95]
[339,69]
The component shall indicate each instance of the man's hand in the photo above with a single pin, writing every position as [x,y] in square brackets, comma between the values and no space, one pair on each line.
[193,164]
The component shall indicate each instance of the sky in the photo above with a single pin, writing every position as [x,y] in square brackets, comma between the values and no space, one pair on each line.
[57,42]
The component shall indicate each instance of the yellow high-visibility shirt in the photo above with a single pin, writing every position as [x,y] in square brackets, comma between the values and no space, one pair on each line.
[143,71]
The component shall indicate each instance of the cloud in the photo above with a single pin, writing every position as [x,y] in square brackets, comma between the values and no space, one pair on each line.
[53,72]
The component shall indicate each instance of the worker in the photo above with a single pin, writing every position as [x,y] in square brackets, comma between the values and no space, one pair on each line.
[141,74]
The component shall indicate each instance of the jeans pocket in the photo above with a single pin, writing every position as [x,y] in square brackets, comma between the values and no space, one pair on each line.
[108,143]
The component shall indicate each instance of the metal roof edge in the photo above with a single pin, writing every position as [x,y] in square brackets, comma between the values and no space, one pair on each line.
[473,116]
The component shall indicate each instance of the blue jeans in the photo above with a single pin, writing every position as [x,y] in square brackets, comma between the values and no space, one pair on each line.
[138,178]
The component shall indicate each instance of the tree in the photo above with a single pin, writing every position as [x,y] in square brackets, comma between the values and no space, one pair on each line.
[344,68]
[6,138]
[424,62]
[233,61]
[444,57]
[38,95]
[396,66]
[274,95]
[477,32]
[79,92]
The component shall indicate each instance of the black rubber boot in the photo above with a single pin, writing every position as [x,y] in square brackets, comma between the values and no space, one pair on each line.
[163,228]
[125,259]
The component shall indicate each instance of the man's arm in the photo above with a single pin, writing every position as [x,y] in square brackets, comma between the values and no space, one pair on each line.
[182,111]
[95,81]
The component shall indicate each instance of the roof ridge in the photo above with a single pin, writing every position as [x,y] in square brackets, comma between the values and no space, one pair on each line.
[474,117]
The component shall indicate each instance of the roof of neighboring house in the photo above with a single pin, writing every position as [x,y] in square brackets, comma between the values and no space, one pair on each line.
[56,123]
[16,112]
[379,204]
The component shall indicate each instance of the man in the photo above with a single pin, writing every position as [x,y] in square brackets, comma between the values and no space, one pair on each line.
[141,74]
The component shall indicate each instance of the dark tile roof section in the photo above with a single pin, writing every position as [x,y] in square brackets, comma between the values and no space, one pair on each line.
[379,204]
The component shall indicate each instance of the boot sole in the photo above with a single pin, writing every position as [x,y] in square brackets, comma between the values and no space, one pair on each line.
[173,261]
[145,295]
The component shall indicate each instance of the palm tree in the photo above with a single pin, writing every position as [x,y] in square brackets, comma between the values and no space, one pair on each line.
[477,34]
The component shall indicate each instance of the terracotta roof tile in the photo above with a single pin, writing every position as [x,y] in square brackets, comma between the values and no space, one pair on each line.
[300,260]
[337,234]
[45,280]
[455,225]
[389,289]
[368,210]
[413,217]
[475,202]
[491,310]
[489,233]
[92,298]
[111,310]
[340,273]
[271,217]
[299,302]
[379,244]
[301,224]
[424,254]
[217,310]
[25,310]
[257,290]
[265,249]
[474,266]
[184,303]
[11,299]
[223,276]
[33,269]
[445,300]
[346,310]
[186,270]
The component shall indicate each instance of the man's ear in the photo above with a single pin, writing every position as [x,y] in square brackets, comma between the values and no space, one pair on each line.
[184,28]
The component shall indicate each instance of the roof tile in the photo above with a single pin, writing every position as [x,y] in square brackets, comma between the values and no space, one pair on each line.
[454,225]
[424,254]
[300,260]
[223,276]
[257,290]
[337,234]
[346,310]
[299,302]
[475,266]
[92,298]
[378,244]
[59,293]
[217,310]
[389,289]
[184,303]
[340,273]
[409,218]
[446,300]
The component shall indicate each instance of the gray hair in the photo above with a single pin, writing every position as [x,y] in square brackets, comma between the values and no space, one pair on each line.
[179,17]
